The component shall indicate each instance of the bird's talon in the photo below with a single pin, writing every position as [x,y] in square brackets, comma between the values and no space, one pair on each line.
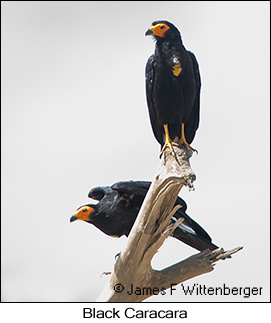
[169,145]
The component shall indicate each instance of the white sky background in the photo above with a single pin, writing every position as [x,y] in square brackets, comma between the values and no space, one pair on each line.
[74,116]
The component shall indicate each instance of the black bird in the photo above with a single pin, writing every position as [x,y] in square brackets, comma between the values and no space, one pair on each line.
[172,88]
[119,205]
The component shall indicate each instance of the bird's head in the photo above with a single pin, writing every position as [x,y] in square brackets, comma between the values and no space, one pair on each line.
[162,29]
[83,213]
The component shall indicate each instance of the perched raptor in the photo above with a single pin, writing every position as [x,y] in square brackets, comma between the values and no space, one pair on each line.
[172,88]
[118,207]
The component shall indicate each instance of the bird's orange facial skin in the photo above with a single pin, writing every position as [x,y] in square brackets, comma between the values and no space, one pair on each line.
[159,30]
[83,213]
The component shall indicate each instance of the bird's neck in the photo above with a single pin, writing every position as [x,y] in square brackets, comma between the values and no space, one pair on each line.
[165,49]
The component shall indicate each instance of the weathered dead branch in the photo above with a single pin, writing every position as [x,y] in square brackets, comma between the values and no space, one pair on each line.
[150,230]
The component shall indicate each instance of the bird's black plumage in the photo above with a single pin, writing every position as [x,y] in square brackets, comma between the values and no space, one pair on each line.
[118,206]
[172,86]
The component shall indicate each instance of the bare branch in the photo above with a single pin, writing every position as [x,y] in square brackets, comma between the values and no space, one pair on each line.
[150,230]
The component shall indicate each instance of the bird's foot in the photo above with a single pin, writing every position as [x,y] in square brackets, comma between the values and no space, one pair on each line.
[106,273]
[169,144]
[183,141]
[187,146]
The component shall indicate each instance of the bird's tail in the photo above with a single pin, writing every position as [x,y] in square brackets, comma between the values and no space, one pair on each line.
[193,240]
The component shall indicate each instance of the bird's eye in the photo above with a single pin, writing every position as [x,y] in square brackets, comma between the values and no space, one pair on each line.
[162,27]
[84,210]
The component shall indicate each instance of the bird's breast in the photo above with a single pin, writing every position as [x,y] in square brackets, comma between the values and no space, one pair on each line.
[176,67]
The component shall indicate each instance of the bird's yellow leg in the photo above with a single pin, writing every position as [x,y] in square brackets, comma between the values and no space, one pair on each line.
[183,140]
[106,273]
[168,142]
